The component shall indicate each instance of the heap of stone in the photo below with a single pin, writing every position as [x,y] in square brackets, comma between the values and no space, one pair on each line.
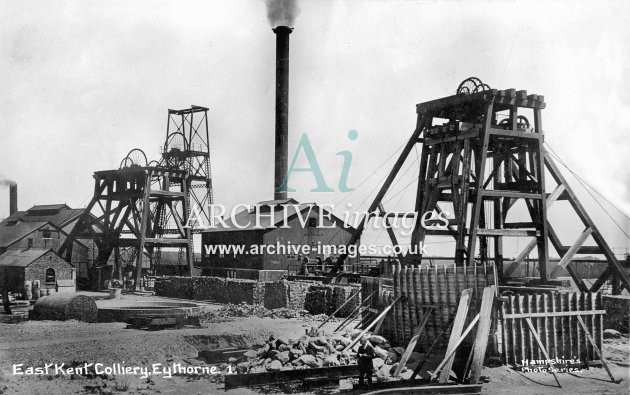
[316,352]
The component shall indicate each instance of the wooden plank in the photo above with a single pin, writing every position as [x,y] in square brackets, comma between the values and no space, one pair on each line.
[353,313]
[515,334]
[418,301]
[507,232]
[339,308]
[578,332]
[595,348]
[458,327]
[504,333]
[532,348]
[459,341]
[406,304]
[397,313]
[566,302]
[542,348]
[556,314]
[566,258]
[538,320]
[481,168]
[412,343]
[521,329]
[586,219]
[383,313]
[550,300]
[515,134]
[556,304]
[481,339]
[411,295]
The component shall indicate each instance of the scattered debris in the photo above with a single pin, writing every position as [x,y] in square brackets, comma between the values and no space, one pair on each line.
[247,310]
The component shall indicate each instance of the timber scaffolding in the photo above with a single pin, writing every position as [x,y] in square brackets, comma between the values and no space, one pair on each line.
[142,209]
[569,325]
[481,156]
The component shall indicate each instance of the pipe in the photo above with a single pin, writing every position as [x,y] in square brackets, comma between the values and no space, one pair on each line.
[282,110]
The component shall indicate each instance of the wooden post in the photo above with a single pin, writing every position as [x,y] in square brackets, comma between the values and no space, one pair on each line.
[143,230]
[458,327]
[481,340]
[457,343]
[356,340]
[412,343]
[542,348]
[339,309]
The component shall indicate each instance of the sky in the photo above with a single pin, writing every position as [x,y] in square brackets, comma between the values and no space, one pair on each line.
[84,82]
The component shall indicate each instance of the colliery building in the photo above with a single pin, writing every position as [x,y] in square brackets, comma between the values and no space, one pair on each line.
[309,225]
[40,265]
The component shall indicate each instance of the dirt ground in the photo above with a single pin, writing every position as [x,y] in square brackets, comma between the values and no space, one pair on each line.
[35,343]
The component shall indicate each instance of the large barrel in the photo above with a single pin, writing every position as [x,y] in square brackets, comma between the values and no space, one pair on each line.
[61,306]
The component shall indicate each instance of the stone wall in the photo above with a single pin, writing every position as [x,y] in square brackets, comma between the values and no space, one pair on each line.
[617,308]
[37,269]
[316,298]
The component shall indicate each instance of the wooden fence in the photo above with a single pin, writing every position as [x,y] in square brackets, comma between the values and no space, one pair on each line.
[554,316]
[422,287]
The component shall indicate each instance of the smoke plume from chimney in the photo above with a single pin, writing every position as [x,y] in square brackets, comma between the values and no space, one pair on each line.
[282,12]
[6,183]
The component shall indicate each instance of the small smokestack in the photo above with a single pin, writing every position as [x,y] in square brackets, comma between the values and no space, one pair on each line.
[282,108]
[13,199]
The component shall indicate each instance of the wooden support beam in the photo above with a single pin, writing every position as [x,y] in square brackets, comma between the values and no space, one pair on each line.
[421,123]
[481,168]
[507,232]
[481,338]
[566,258]
[362,304]
[617,269]
[555,314]
[458,327]
[542,347]
[517,134]
[457,343]
[339,309]
[430,350]
[383,313]
[144,223]
[412,343]
[592,341]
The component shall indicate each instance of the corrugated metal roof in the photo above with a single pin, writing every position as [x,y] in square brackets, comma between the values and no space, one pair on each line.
[9,234]
[22,258]
[57,214]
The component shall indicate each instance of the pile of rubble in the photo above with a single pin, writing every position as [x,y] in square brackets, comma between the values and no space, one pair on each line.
[319,351]
[247,310]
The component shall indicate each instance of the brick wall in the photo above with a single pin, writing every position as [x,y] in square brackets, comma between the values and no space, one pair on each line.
[313,297]
[37,269]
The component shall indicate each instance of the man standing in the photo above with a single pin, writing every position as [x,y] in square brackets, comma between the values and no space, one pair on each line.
[365,354]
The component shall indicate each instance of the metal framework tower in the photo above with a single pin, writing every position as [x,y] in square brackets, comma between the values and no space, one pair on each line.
[145,206]
[187,147]
[480,157]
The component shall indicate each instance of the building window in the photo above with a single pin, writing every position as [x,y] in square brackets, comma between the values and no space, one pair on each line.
[46,234]
[50,276]
[30,243]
